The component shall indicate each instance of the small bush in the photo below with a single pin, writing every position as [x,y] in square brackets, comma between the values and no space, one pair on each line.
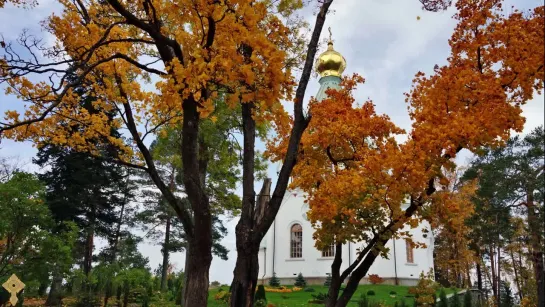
[215,284]
[371,292]
[274,281]
[319,298]
[375,279]
[222,296]
[308,289]
[327,281]
[300,281]
[363,301]
[393,293]
[260,294]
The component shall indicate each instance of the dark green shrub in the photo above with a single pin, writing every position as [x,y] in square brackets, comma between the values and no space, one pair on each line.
[260,294]
[363,301]
[467,299]
[319,298]
[260,303]
[403,303]
[393,293]
[455,300]
[308,289]
[300,281]
[443,298]
[274,281]
[327,281]
[371,292]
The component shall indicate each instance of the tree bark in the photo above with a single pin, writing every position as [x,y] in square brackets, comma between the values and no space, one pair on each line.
[54,298]
[336,281]
[536,247]
[109,285]
[498,277]
[358,274]
[166,252]
[494,278]
[515,270]
[479,275]
[247,266]
[198,260]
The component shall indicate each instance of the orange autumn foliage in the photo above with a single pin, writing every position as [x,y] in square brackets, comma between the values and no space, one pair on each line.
[358,177]
[110,56]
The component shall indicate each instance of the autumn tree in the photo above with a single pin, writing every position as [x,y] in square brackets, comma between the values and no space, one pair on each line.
[358,177]
[190,52]
[448,213]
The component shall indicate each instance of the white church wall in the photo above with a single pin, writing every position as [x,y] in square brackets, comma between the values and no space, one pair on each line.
[315,267]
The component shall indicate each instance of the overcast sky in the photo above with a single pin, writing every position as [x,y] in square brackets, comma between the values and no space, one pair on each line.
[380,39]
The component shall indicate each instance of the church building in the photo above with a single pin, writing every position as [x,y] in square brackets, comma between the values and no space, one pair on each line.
[288,247]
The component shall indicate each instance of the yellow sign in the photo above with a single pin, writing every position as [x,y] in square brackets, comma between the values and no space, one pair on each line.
[13,285]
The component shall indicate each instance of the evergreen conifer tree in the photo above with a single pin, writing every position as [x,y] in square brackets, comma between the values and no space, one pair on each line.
[300,281]
[274,281]
[327,281]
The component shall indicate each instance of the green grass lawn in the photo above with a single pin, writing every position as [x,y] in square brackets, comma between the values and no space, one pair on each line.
[301,298]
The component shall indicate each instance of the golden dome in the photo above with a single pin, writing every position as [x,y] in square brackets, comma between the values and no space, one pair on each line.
[330,62]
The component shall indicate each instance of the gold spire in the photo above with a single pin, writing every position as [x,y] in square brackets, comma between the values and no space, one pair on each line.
[330,62]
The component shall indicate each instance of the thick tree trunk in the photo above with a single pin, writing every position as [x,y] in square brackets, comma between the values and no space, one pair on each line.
[54,298]
[247,266]
[536,247]
[335,286]
[245,276]
[166,253]
[198,260]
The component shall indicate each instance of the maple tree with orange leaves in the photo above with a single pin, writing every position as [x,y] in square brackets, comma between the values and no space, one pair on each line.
[358,177]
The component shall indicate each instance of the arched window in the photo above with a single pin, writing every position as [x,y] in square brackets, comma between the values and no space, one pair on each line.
[410,248]
[329,251]
[296,245]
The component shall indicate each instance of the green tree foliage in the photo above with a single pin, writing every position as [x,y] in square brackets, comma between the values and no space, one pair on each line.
[510,188]
[274,281]
[25,221]
[300,281]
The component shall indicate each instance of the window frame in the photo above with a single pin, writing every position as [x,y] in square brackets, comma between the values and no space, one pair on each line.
[409,251]
[296,247]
